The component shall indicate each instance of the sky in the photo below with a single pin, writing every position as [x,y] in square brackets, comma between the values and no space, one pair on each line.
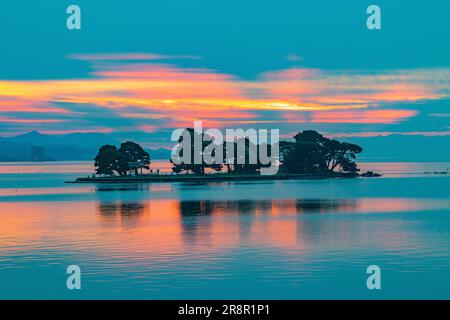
[139,69]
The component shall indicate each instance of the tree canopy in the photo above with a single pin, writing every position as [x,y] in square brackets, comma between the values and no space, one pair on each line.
[308,153]
[312,153]
[245,154]
[183,161]
[245,161]
[110,160]
[135,153]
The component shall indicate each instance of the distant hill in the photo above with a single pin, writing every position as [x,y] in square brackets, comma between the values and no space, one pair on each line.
[84,146]
[78,138]
[73,146]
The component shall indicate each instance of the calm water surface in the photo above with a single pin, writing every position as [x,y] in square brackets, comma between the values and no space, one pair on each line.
[275,239]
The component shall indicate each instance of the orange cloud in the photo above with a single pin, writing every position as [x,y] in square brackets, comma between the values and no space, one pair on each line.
[24,106]
[173,95]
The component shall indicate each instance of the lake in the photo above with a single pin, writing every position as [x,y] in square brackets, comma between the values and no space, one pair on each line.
[296,239]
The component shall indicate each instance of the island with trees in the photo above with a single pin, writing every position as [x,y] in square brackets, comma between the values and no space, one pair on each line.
[309,155]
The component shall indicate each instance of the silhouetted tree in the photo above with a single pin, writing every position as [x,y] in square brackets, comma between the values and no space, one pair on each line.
[135,153]
[244,161]
[195,153]
[313,153]
[110,160]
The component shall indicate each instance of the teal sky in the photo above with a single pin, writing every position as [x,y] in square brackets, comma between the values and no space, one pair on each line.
[251,46]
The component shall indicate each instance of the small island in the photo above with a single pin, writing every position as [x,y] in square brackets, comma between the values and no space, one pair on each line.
[309,155]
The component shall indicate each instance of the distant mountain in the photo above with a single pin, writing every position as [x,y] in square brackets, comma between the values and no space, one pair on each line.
[73,146]
[32,137]
[84,146]
[78,138]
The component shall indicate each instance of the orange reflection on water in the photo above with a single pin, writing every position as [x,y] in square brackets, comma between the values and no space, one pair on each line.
[165,228]
[47,167]
[45,191]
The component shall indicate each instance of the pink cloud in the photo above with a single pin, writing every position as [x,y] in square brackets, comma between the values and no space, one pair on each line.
[23,120]
[169,95]
[387,133]
[148,128]
[24,106]
[362,116]
[349,116]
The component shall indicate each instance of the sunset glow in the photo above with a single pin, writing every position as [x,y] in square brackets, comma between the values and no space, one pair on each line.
[156,95]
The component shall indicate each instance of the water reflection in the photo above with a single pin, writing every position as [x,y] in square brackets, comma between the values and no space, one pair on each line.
[208,207]
[258,219]
[164,240]
[191,213]
[129,212]
[159,241]
[281,222]
[171,222]
[123,187]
